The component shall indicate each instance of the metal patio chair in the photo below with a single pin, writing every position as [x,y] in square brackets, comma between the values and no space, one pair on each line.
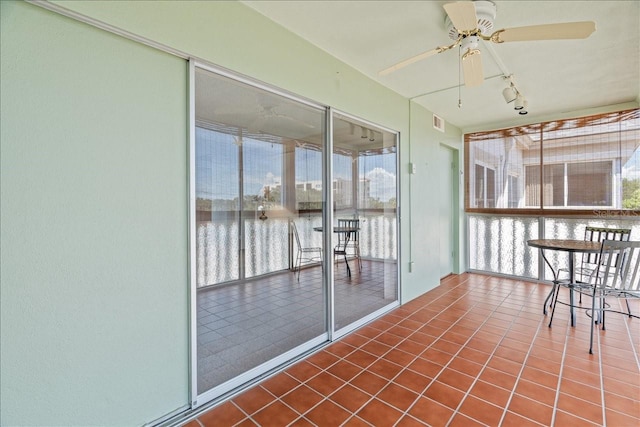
[305,254]
[589,261]
[617,276]
[348,241]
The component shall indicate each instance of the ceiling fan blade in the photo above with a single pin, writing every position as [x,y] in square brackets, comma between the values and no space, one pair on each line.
[567,30]
[472,68]
[411,60]
[462,15]
[293,120]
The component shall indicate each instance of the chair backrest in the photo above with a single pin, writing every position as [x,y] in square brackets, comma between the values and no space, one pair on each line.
[600,234]
[295,234]
[619,266]
[349,223]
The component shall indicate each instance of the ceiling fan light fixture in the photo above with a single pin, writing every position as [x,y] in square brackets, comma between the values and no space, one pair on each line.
[520,102]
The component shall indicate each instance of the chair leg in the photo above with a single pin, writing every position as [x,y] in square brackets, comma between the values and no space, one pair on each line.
[593,321]
[346,261]
[549,299]
[555,302]
[572,312]
[628,308]
[299,264]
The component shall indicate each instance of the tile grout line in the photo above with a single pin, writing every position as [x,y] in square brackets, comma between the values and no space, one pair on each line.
[564,356]
[390,380]
[434,379]
[246,415]
[486,365]
[277,398]
[439,338]
[519,376]
[560,378]
[406,317]
[633,347]
[601,369]
[600,375]
[325,398]
[462,346]
[455,411]
[406,412]
[398,319]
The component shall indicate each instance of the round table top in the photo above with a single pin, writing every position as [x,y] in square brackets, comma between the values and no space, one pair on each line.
[566,245]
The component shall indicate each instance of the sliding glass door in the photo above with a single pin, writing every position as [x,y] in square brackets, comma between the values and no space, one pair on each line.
[365,198]
[275,273]
[258,196]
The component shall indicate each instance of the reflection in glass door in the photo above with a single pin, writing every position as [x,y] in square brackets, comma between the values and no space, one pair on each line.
[259,283]
[274,273]
[365,233]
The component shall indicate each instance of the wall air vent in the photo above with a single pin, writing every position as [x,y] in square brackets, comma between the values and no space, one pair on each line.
[438,123]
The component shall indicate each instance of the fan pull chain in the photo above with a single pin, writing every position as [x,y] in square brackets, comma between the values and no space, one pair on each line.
[459,76]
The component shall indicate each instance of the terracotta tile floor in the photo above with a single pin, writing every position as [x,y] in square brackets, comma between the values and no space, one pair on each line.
[474,351]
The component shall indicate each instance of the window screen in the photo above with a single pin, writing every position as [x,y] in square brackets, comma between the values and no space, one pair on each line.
[587,163]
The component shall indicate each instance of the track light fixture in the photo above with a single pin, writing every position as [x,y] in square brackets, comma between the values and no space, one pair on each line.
[512,94]
[523,110]
[509,94]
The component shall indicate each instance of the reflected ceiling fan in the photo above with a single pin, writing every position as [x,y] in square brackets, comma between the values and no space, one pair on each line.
[269,114]
[468,22]
[256,117]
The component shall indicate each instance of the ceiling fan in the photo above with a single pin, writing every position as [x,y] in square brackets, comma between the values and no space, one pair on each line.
[468,22]
[256,118]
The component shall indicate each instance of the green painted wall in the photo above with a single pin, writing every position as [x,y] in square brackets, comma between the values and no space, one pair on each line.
[231,35]
[94,291]
[225,33]
[93,206]
[424,230]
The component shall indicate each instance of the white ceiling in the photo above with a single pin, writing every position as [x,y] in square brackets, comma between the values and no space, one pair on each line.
[555,76]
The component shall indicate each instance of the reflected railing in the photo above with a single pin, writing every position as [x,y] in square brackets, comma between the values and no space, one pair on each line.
[269,246]
[498,244]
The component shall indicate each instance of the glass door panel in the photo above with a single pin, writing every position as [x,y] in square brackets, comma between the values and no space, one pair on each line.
[260,292]
[365,237]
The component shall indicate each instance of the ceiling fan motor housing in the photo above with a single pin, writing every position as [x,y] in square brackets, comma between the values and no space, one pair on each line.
[485,14]
[469,43]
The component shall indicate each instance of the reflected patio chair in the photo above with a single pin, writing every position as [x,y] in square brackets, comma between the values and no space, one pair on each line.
[305,254]
[589,261]
[617,276]
[348,242]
